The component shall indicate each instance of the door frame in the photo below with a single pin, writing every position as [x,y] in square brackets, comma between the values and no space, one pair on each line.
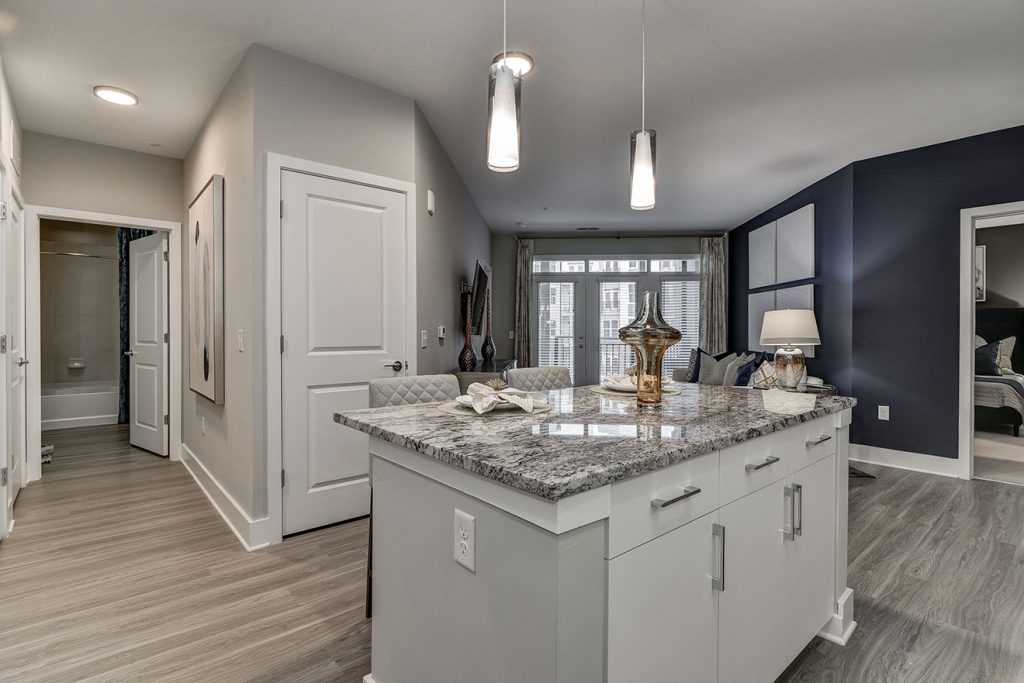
[33,334]
[274,165]
[972,220]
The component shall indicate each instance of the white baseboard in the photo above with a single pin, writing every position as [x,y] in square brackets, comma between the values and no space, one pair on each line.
[368,678]
[841,626]
[253,534]
[72,422]
[905,460]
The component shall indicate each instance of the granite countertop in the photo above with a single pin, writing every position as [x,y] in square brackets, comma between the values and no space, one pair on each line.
[588,439]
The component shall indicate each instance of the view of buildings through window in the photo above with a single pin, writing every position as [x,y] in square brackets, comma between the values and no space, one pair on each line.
[581,304]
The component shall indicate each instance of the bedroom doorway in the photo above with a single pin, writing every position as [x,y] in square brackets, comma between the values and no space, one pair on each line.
[992,344]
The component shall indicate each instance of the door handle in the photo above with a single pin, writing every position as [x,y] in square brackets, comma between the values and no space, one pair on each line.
[789,515]
[130,352]
[798,509]
[718,578]
[688,492]
[770,460]
[395,365]
[21,362]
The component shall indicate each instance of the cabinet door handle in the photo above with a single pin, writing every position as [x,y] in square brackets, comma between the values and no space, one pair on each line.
[770,460]
[718,578]
[798,509]
[789,515]
[820,440]
[688,492]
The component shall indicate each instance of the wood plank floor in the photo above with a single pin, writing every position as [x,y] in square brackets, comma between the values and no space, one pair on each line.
[119,569]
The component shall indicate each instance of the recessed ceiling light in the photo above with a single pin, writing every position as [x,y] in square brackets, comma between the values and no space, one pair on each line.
[109,93]
[520,63]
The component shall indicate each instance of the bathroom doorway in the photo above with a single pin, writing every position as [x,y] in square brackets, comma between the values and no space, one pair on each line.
[103,319]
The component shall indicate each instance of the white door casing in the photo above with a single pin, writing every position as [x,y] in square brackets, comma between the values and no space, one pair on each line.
[148,361]
[16,356]
[344,268]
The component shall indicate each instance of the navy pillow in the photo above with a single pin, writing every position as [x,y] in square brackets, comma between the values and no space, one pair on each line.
[745,372]
[986,360]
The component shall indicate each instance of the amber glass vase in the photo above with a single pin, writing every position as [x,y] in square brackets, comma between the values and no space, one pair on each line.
[649,336]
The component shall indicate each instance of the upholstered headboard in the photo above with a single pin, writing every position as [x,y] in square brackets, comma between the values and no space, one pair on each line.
[994,324]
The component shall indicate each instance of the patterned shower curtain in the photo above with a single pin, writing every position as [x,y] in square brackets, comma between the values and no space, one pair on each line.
[524,269]
[714,295]
[124,236]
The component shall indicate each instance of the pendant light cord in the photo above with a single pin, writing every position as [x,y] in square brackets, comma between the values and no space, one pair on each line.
[504,32]
[643,64]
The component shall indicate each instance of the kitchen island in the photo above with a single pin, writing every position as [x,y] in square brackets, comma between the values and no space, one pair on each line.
[705,541]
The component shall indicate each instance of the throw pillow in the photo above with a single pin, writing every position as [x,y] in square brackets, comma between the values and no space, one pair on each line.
[729,379]
[978,341]
[693,367]
[764,377]
[1005,352]
[986,360]
[712,370]
[747,371]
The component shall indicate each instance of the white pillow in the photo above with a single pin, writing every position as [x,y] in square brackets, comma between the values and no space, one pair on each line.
[979,342]
[730,372]
[1005,352]
[713,371]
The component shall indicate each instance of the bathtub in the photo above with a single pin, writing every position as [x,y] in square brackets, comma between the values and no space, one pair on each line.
[78,405]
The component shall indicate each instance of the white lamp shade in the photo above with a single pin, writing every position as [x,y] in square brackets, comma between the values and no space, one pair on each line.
[503,126]
[789,328]
[641,181]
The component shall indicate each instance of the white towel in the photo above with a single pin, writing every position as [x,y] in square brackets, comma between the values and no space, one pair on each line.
[486,398]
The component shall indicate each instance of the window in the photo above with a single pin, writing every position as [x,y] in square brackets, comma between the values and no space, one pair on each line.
[581,303]
[554,266]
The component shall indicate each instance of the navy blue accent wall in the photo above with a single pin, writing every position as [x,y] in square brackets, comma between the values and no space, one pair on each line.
[833,260]
[887,243]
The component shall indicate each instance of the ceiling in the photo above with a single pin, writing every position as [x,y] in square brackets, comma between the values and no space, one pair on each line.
[752,100]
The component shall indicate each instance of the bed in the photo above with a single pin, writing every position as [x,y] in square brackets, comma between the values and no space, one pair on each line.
[999,401]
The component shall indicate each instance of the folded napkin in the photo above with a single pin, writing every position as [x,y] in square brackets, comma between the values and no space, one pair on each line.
[486,398]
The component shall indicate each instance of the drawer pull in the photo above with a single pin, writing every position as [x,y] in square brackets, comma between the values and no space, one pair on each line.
[688,492]
[789,514]
[770,460]
[820,440]
[798,509]
[718,578]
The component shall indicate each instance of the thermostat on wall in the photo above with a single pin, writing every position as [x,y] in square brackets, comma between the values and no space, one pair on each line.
[440,331]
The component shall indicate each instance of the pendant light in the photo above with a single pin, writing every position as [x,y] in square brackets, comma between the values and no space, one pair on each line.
[506,73]
[642,143]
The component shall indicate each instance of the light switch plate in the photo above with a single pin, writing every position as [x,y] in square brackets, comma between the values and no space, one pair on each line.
[512,335]
[241,340]
[440,331]
[423,339]
[465,540]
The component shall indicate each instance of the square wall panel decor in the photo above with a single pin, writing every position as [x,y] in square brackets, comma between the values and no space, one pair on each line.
[783,250]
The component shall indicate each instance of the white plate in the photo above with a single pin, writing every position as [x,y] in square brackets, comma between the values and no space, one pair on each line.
[468,402]
[619,384]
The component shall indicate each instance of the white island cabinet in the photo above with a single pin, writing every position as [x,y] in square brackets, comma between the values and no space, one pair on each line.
[706,542]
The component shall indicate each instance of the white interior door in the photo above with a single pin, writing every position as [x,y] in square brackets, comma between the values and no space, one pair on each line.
[14,244]
[343,301]
[147,325]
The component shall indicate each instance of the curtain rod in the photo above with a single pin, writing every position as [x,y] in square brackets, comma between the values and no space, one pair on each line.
[557,236]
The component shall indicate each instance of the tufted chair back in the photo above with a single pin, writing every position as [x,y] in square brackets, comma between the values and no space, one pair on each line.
[400,391]
[539,379]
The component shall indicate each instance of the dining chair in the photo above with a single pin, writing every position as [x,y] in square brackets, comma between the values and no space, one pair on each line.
[539,379]
[400,391]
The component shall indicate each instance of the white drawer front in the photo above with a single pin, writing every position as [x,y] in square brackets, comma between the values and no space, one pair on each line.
[655,503]
[754,464]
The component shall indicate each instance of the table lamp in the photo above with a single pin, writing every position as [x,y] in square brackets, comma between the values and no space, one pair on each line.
[788,330]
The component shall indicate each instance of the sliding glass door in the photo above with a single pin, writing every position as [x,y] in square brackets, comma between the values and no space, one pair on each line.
[580,304]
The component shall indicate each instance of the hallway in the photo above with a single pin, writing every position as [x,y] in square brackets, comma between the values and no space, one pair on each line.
[119,568]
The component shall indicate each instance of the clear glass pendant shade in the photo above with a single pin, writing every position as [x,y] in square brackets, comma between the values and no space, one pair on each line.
[641,169]
[503,120]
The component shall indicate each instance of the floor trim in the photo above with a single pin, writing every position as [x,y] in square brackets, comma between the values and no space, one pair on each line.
[905,460]
[253,534]
[74,422]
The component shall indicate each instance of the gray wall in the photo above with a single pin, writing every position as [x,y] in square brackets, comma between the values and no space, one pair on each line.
[78,300]
[503,262]
[71,174]
[448,245]
[224,146]
[281,104]
[1004,258]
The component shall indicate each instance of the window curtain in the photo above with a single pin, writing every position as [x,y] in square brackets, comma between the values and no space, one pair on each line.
[124,236]
[524,269]
[714,296]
